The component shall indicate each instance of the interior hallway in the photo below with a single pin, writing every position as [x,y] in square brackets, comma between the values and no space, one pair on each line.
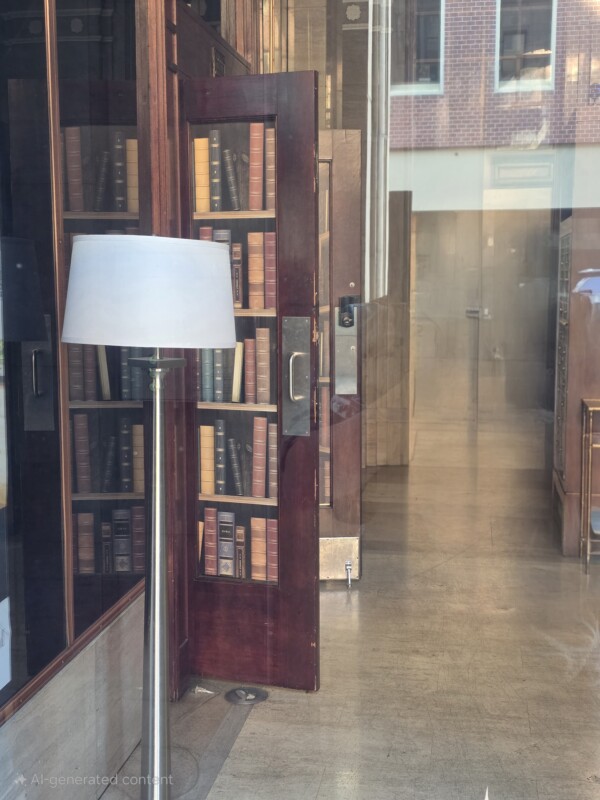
[467,657]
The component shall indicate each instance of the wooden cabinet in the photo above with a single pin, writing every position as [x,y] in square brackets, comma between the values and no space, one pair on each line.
[253,476]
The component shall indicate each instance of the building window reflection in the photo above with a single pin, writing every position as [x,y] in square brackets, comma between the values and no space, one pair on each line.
[417,46]
[525,44]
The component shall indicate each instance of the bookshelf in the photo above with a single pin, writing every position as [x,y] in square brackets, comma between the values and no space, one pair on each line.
[253,476]
[107,428]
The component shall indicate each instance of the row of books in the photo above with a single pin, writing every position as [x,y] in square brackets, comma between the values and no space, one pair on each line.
[242,469]
[120,547]
[228,552]
[324,479]
[103,179]
[246,168]
[97,372]
[107,460]
[260,278]
[221,374]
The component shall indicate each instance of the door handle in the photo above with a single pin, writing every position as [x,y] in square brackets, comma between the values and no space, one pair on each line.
[35,379]
[295,398]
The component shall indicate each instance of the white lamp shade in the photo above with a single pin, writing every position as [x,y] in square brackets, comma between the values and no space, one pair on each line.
[149,291]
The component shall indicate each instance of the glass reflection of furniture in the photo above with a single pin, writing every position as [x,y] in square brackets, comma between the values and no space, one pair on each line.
[255,464]
[590,514]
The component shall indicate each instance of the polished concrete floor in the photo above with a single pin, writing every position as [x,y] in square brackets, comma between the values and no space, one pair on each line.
[467,658]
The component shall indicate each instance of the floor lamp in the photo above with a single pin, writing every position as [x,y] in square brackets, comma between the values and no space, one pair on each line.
[152,292]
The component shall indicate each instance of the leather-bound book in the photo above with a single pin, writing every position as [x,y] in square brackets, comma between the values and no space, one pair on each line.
[86,551]
[106,544]
[325,481]
[210,541]
[263,366]
[131,159]
[223,235]
[122,547]
[125,373]
[138,375]
[81,443]
[125,454]
[272,459]
[74,544]
[206,434]
[242,170]
[249,371]
[220,458]
[105,392]
[218,375]
[232,185]
[109,467]
[118,170]
[270,172]
[101,181]
[236,380]
[205,233]
[76,379]
[198,375]
[270,270]
[259,457]
[240,551]
[208,382]
[324,417]
[256,270]
[137,440]
[201,175]
[236,469]
[215,170]
[138,539]
[272,551]
[228,357]
[90,384]
[74,164]
[225,542]
[258,549]
[200,538]
[236,275]
[256,167]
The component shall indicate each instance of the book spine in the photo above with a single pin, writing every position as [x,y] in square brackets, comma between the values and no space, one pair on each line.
[74,543]
[89,372]
[236,275]
[121,525]
[125,455]
[201,175]
[256,167]
[131,159]
[225,542]
[218,375]
[103,372]
[101,181]
[210,541]
[223,235]
[259,457]
[205,233]
[258,549]
[198,376]
[83,469]
[207,459]
[249,371]
[85,543]
[242,169]
[272,551]
[240,551]
[236,469]
[118,170]
[76,372]
[236,380]
[270,173]
[125,374]
[325,480]
[110,464]
[208,384]
[138,539]
[220,458]
[74,169]
[273,460]
[324,417]
[263,370]
[200,538]
[228,360]
[215,169]
[137,376]
[256,270]
[137,441]
[106,543]
[231,180]
[270,270]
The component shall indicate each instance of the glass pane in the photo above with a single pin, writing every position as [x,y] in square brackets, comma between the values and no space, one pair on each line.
[32,615]
[325,498]
[96,56]
[415,40]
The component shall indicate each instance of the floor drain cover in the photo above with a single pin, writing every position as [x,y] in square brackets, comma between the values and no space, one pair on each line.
[246,696]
